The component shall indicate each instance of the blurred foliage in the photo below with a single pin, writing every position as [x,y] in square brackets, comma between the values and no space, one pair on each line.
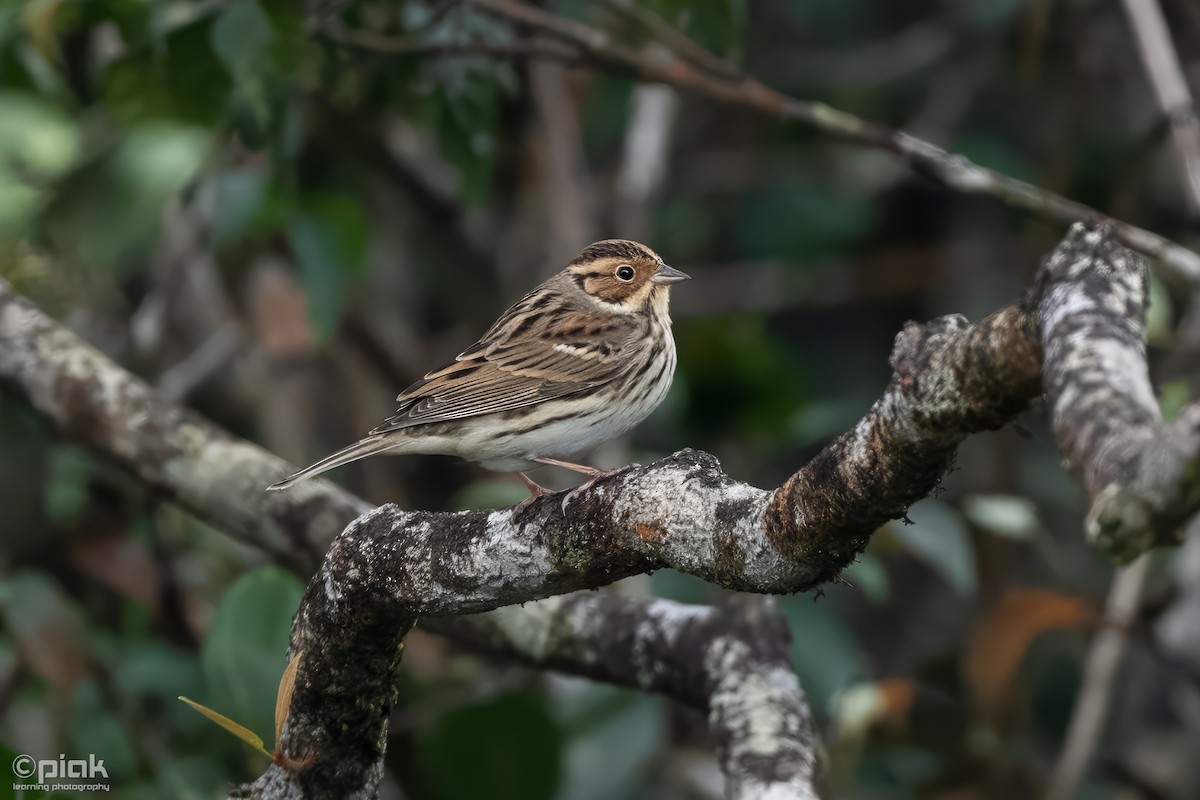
[172,169]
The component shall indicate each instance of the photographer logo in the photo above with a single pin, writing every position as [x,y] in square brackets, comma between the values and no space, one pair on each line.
[59,775]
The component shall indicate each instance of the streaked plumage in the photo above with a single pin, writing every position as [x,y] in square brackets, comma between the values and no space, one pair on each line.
[579,360]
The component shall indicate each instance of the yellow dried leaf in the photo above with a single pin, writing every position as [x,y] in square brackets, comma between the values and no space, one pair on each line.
[283,698]
[245,734]
[1002,638]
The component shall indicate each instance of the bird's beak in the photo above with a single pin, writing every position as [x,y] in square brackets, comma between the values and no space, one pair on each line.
[667,274]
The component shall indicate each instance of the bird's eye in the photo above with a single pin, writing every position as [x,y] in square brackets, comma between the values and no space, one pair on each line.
[625,272]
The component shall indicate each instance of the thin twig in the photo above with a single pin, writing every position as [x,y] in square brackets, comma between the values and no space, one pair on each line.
[1170,88]
[531,48]
[389,567]
[1099,676]
[672,38]
[953,171]
[177,382]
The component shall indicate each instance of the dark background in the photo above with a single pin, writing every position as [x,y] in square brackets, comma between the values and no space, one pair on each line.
[283,233]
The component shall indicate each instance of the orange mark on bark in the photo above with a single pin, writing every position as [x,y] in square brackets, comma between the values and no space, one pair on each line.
[650,532]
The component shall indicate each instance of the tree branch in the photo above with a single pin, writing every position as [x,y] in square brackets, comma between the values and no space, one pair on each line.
[678,66]
[390,566]
[731,662]
[1104,658]
[768,745]
[1170,88]
[1141,474]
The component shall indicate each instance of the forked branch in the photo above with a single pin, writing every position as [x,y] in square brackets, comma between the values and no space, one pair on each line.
[390,566]
[950,379]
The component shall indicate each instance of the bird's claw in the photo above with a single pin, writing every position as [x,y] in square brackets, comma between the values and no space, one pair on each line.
[592,481]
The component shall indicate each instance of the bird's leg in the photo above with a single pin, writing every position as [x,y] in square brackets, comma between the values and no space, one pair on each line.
[536,491]
[591,472]
[535,488]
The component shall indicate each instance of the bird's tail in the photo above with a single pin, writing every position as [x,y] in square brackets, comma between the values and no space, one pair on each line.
[369,446]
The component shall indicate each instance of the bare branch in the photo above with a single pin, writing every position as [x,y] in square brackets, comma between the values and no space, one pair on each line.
[730,662]
[183,457]
[545,50]
[951,379]
[220,478]
[956,172]
[390,566]
[1170,87]
[1099,680]
[1140,472]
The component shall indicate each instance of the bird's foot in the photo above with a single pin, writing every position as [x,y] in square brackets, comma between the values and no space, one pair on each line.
[596,476]
[536,492]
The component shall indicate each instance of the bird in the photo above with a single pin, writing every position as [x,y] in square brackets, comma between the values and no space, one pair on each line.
[579,360]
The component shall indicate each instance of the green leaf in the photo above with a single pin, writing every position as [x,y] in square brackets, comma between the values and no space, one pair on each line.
[241,37]
[987,14]
[466,128]
[114,210]
[244,652]
[66,495]
[740,377]
[718,25]
[1174,398]
[38,143]
[824,650]
[615,738]
[467,97]
[329,240]
[95,727]
[155,670]
[1009,516]
[803,222]
[939,537]
[159,159]
[869,575]
[179,80]
[1159,315]
[241,196]
[516,751]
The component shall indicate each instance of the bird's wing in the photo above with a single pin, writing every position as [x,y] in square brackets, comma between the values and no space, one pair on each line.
[540,349]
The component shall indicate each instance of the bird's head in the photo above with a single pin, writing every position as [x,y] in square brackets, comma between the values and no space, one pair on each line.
[624,275]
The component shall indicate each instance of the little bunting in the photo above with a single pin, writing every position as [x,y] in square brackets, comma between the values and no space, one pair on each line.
[581,359]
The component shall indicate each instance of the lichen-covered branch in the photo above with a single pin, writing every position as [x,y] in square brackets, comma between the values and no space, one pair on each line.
[1141,474]
[184,458]
[391,566]
[950,379]
[220,478]
[730,662]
